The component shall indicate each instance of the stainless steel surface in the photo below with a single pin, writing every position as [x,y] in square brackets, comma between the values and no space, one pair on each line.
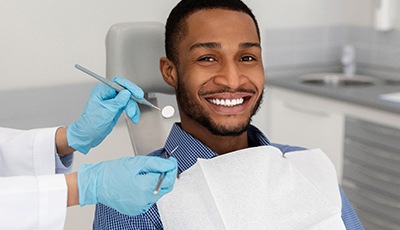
[337,80]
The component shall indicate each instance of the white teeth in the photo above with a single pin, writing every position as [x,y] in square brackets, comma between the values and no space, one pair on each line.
[227,102]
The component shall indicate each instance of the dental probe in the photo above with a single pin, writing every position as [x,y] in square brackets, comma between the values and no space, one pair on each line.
[166,112]
[162,176]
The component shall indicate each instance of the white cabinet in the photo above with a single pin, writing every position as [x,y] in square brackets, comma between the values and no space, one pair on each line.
[306,121]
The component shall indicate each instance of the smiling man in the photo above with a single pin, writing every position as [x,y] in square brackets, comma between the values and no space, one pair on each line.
[216,69]
[213,60]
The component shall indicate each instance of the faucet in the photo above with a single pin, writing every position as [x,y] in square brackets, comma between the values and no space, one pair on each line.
[348,60]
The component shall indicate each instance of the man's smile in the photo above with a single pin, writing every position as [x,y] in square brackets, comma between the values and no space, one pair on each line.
[229,102]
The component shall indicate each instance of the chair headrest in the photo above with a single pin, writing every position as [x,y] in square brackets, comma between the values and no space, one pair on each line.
[133,51]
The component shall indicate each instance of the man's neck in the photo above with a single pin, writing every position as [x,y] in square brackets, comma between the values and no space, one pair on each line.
[218,144]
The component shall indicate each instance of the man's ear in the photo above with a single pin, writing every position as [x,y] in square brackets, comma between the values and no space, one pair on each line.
[169,72]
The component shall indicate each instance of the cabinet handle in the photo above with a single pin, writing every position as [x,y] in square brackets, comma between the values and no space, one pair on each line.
[380,176]
[379,200]
[368,127]
[376,220]
[369,195]
[371,151]
[305,110]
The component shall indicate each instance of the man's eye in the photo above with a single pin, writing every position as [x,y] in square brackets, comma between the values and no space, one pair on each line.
[247,58]
[208,59]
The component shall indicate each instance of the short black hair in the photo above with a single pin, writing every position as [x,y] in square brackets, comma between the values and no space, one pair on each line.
[176,27]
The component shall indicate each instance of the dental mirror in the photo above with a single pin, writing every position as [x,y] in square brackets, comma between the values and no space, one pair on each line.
[168,111]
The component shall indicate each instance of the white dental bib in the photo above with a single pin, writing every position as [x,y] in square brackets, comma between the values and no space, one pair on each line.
[255,188]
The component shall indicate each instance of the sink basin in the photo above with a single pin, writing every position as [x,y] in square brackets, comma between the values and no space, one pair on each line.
[337,79]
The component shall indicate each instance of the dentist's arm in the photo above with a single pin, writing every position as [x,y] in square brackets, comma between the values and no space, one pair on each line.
[126,184]
[62,143]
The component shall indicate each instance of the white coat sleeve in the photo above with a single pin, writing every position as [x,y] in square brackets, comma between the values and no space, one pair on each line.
[31,195]
[33,202]
[27,152]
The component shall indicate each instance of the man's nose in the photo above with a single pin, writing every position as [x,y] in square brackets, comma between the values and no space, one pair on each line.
[229,75]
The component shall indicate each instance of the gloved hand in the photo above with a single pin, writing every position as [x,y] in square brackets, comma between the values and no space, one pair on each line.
[126,184]
[101,113]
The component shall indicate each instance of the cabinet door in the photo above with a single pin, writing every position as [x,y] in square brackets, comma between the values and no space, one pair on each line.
[305,121]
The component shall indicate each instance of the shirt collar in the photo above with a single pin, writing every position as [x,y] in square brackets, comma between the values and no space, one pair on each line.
[189,149]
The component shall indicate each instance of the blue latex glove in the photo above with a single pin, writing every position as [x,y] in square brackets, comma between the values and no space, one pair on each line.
[101,114]
[126,184]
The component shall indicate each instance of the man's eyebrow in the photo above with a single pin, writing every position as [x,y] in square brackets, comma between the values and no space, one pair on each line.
[246,45]
[215,45]
[210,45]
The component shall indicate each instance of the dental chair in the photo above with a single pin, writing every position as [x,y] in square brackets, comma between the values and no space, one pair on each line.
[133,50]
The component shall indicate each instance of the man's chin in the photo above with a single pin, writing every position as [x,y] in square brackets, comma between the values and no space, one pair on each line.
[226,131]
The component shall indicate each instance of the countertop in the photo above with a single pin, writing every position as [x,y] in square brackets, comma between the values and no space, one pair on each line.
[361,95]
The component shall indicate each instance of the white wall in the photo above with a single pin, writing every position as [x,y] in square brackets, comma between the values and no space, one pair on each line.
[42,40]
[361,12]
[298,13]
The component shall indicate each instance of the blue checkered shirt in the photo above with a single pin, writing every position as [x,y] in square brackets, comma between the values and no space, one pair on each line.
[189,150]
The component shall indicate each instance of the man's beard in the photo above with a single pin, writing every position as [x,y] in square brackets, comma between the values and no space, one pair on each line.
[194,111]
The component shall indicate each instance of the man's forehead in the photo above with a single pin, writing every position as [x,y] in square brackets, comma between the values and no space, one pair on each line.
[211,23]
[204,14]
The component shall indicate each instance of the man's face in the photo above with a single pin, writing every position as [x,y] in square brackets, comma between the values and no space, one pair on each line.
[220,72]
